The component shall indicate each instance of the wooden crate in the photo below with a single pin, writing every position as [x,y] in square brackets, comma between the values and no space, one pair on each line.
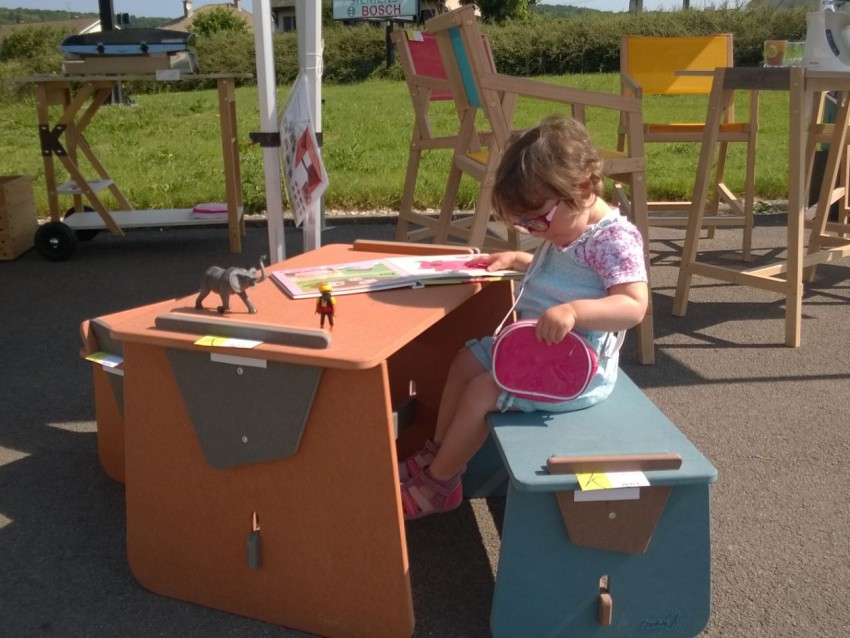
[18,219]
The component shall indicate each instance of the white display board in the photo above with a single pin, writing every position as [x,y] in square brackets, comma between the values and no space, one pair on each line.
[303,170]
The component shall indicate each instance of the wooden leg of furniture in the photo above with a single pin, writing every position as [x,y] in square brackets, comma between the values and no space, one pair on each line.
[230,158]
[639,216]
[109,406]
[750,182]
[844,205]
[698,203]
[797,123]
[405,210]
[43,101]
[818,237]
[108,397]
[843,211]
[406,214]
[718,190]
[448,208]
[635,206]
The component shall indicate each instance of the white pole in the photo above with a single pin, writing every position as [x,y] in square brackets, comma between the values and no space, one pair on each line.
[269,125]
[308,20]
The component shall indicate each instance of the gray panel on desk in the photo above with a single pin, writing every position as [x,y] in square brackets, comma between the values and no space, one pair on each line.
[241,413]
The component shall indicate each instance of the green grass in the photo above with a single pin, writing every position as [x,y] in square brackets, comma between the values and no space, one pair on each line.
[166,152]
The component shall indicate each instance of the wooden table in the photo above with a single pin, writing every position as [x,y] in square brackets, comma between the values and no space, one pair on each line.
[827,241]
[300,440]
[80,97]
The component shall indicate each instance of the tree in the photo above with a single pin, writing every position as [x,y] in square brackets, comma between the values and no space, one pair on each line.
[216,20]
[501,10]
[33,42]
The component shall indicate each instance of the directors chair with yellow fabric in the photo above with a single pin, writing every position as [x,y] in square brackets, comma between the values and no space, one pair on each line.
[480,92]
[678,66]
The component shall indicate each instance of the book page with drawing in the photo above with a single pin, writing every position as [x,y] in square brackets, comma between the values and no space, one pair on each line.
[381,274]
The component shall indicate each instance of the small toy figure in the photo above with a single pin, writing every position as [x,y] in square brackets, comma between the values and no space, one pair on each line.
[230,281]
[326,305]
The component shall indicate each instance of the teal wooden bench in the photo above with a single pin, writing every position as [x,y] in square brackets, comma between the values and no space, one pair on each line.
[604,567]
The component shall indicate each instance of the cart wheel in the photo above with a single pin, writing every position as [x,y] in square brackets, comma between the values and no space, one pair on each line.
[86,234]
[55,241]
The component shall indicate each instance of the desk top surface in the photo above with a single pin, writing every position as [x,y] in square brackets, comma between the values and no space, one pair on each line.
[369,326]
[625,423]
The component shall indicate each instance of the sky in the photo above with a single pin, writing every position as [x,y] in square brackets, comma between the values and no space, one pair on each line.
[174,8]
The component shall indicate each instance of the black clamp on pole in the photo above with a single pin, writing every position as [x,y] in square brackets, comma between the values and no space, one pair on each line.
[266,140]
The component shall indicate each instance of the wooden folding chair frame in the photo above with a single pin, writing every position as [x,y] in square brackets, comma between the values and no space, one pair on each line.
[426,82]
[477,88]
[690,64]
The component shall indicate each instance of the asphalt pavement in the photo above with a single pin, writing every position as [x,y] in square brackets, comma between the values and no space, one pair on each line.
[772,419]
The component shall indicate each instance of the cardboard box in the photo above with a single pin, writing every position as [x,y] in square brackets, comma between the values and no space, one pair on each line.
[18,219]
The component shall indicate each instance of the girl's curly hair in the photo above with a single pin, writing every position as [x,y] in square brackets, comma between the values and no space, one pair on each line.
[553,160]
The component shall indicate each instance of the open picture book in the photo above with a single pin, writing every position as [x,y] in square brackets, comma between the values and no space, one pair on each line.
[388,272]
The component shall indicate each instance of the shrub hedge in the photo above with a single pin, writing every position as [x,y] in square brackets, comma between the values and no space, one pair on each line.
[586,43]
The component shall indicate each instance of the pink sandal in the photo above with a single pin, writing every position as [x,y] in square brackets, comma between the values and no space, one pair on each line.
[413,465]
[423,495]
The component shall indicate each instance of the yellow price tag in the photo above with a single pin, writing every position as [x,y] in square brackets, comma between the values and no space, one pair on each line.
[594,481]
[212,342]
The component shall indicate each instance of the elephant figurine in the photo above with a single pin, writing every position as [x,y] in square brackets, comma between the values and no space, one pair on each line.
[227,281]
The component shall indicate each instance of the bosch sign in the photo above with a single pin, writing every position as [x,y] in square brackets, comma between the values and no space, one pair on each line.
[375,9]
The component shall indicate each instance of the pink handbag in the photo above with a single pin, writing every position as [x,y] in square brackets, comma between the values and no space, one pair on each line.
[534,370]
[549,373]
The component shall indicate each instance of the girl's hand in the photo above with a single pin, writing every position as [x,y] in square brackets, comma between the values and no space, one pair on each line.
[500,261]
[554,324]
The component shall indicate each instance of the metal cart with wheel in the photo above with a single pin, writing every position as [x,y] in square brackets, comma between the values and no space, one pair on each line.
[80,97]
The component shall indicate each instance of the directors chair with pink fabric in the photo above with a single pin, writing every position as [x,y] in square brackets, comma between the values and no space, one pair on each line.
[426,82]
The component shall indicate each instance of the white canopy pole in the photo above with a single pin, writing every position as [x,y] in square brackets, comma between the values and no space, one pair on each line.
[308,20]
[269,125]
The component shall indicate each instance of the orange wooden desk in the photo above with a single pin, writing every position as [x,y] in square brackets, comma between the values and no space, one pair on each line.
[333,555]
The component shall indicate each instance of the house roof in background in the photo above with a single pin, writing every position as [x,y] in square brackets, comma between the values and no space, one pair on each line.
[182,23]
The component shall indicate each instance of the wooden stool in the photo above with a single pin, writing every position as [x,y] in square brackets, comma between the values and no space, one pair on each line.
[621,566]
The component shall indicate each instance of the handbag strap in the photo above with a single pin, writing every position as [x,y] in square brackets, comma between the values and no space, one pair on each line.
[536,264]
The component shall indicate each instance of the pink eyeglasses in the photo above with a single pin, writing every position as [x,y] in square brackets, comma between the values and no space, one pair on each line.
[538,224]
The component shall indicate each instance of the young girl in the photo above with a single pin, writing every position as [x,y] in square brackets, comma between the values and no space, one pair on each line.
[588,274]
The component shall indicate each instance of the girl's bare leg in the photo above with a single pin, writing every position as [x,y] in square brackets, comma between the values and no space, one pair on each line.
[464,368]
[468,429]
